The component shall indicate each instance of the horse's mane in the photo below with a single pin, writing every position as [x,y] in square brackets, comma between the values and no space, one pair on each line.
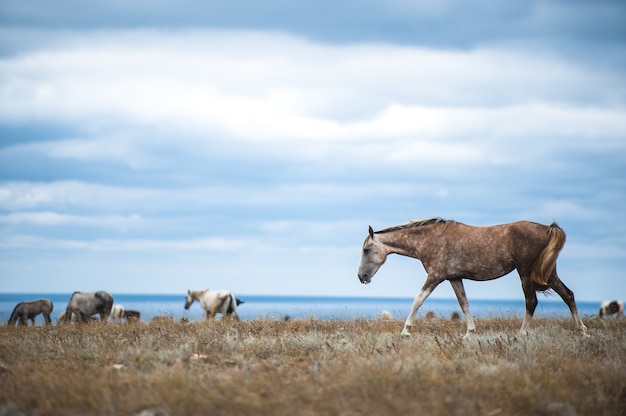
[413,224]
[15,310]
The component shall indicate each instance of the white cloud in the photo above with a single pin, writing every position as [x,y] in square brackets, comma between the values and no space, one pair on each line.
[75,195]
[274,87]
[151,247]
[567,209]
[58,219]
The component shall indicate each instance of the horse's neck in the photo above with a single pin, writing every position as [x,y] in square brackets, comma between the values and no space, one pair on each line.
[410,242]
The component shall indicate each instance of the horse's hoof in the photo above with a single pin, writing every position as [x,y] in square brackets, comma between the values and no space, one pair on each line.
[405,333]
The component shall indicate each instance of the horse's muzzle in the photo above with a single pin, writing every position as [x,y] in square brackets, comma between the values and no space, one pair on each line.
[365,279]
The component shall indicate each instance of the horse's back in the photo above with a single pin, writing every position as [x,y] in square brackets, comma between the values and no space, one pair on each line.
[104,296]
[212,296]
[521,227]
[511,234]
[90,302]
[472,239]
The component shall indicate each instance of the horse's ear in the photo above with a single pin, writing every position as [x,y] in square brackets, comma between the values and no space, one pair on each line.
[188,292]
[371,231]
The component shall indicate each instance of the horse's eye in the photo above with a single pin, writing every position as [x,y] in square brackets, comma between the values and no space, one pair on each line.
[366,251]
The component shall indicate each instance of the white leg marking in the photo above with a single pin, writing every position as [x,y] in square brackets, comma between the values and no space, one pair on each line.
[459,291]
[417,302]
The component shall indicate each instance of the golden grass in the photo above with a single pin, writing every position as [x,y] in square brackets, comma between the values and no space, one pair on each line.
[314,367]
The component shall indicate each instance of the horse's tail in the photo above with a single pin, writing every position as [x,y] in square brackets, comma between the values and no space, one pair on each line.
[545,264]
[232,306]
[14,314]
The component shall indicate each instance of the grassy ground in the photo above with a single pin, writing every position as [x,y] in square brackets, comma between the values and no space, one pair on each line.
[313,367]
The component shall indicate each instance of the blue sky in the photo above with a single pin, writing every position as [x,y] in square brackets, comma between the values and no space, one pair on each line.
[155,147]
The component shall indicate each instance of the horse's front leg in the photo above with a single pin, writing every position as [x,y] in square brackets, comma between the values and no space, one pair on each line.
[459,291]
[430,284]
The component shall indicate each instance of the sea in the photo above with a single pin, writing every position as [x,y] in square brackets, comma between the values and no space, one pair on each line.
[316,307]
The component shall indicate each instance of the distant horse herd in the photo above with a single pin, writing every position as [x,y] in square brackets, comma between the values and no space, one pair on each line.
[449,250]
[83,307]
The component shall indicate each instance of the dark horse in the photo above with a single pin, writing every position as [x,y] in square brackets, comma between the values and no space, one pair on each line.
[24,311]
[86,304]
[453,251]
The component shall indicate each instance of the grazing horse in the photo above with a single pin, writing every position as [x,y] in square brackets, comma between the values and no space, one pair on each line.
[24,311]
[131,315]
[608,308]
[117,312]
[86,304]
[214,302]
[453,251]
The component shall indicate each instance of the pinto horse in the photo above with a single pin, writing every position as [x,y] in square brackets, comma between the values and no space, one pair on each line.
[117,312]
[453,251]
[24,311]
[86,304]
[608,308]
[214,302]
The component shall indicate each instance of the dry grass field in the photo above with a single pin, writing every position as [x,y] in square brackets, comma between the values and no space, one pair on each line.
[314,367]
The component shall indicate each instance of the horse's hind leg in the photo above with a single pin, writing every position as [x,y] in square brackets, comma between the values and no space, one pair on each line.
[530,297]
[568,297]
[46,317]
[459,291]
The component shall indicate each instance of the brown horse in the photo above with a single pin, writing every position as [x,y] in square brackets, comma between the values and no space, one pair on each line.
[131,315]
[119,312]
[453,251]
[24,311]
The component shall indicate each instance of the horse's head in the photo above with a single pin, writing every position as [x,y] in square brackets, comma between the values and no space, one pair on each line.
[188,300]
[373,256]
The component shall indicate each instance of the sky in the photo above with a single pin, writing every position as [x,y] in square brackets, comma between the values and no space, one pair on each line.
[155,147]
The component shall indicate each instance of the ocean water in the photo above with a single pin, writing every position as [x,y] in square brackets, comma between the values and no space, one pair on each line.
[279,307]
